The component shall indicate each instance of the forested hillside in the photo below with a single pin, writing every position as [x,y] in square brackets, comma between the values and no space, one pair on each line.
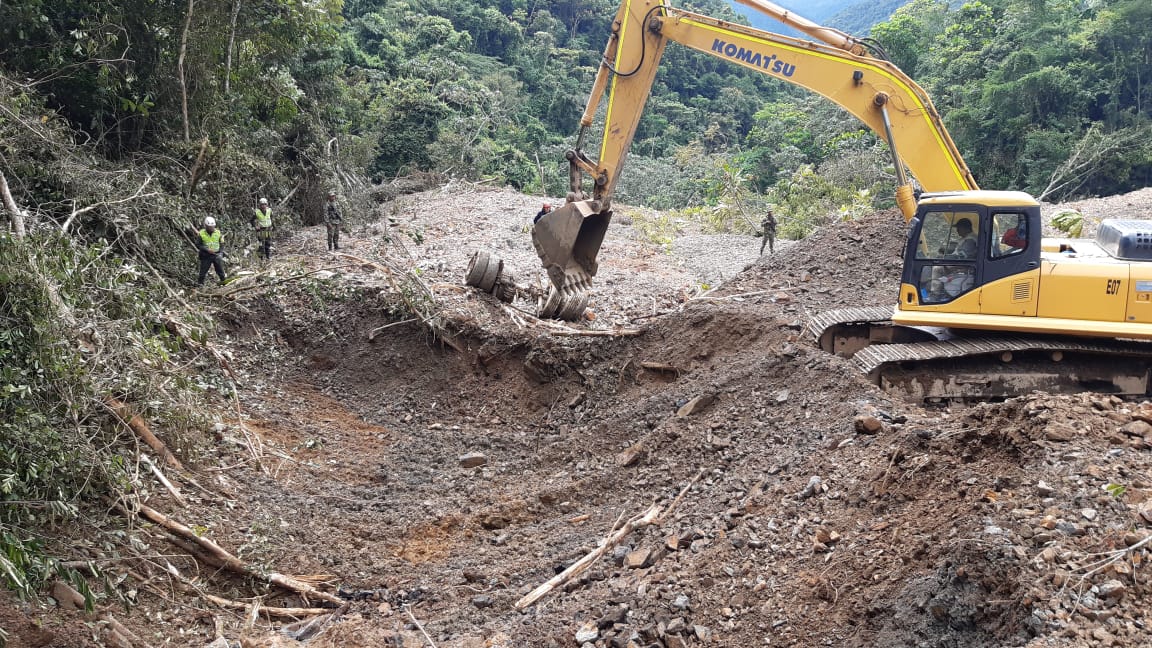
[484,90]
[123,123]
[858,18]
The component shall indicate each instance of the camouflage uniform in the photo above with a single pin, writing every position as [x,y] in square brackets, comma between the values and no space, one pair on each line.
[332,221]
[768,227]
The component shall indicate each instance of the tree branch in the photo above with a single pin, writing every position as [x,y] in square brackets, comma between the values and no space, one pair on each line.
[180,69]
[84,210]
[14,214]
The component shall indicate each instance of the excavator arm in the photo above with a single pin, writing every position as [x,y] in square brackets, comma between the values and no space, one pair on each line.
[839,68]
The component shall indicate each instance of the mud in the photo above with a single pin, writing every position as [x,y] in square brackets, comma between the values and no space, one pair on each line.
[432,480]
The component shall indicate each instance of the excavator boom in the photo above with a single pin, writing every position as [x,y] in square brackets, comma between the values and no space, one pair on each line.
[839,68]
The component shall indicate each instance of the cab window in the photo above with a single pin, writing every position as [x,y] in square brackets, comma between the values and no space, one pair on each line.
[949,235]
[943,283]
[1009,234]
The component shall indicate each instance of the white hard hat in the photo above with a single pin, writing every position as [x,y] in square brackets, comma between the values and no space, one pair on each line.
[209,222]
[263,201]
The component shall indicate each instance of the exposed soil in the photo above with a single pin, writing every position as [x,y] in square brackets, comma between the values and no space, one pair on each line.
[815,509]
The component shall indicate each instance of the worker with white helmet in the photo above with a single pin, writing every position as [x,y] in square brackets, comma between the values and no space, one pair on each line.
[211,247]
[262,221]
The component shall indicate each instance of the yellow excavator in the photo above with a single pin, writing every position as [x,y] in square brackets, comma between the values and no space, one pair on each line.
[986,307]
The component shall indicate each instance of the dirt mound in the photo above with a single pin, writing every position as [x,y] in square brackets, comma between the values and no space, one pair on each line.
[433,481]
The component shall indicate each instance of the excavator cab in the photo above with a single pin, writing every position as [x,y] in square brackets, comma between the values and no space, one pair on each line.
[567,241]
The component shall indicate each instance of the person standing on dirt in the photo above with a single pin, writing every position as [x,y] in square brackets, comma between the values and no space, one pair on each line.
[768,231]
[210,245]
[262,222]
[546,209]
[332,220]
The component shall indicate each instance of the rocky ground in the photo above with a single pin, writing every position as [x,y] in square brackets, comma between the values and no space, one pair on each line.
[432,481]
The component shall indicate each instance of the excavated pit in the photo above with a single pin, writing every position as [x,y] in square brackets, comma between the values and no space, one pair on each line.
[455,477]
[435,479]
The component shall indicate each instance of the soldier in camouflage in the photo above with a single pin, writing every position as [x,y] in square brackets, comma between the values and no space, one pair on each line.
[332,220]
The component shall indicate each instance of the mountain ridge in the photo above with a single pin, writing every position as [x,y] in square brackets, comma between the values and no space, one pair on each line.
[852,16]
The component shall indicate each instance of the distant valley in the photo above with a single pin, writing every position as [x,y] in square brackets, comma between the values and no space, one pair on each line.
[852,16]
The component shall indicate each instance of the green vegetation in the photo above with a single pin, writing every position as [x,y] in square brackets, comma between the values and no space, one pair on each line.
[124,122]
[78,327]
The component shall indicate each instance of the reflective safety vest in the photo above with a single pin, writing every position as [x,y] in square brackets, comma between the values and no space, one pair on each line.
[211,241]
[264,218]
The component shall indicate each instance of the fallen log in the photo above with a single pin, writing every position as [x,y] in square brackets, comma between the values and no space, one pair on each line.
[281,612]
[278,612]
[136,423]
[221,558]
[660,366]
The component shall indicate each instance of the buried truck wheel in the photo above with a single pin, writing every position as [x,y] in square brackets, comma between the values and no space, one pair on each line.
[549,305]
[568,306]
[495,267]
[505,288]
[573,306]
[477,268]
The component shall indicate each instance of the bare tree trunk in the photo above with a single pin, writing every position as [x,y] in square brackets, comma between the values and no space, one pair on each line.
[231,47]
[14,213]
[180,69]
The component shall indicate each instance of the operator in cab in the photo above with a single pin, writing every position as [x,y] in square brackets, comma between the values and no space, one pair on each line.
[545,209]
[966,245]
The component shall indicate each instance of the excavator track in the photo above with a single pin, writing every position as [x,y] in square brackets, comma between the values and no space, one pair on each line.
[848,330]
[980,365]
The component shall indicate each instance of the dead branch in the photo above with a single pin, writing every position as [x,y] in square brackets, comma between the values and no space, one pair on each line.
[255,445]
[197,166]
[418,625]
[118,635]
[175,492]
[374,332]
[736,297]
[660,366]
[281,612]
[15,216]
[426,315]
[1084,161]
[556,328]
[136,423]
[286,198]
[578,567]
[221,558]
[1110,558]
[189,586]
[654,515]
[679,497]
[254,285]
[598,332]
[105,203]
[173,327]
[451,341]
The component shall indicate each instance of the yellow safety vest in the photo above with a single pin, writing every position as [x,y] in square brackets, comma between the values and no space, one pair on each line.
[263,218]
[211,241]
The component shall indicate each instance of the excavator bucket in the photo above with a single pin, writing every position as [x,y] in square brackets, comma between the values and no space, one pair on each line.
[568,240]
